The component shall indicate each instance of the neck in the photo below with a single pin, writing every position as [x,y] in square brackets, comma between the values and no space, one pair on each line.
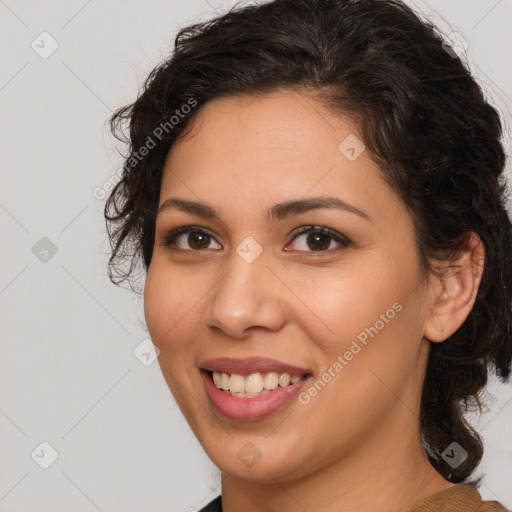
[388,472]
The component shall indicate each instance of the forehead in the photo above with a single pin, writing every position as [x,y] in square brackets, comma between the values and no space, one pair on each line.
[282,120]
[270,148]
[285,133]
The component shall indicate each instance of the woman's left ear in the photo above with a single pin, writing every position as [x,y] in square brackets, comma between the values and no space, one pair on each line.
[454,291]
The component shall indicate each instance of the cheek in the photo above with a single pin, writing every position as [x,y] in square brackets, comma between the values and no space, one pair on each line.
[163,304]
[169,318]
[374,350]
[155,303]
[173,314]
[344,305]
[369,318]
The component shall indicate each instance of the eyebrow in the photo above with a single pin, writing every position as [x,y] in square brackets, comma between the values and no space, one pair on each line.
[277,212]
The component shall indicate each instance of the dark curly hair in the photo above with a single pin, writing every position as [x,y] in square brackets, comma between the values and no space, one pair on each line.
[425,123]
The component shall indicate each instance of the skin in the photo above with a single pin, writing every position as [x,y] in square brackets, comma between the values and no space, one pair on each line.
[356,444]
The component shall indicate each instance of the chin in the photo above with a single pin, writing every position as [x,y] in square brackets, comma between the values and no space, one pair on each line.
[257,458]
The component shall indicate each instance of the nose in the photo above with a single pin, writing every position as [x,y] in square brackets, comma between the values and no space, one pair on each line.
[248,296]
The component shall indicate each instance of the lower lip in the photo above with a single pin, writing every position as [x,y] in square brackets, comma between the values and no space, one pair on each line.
[239,408]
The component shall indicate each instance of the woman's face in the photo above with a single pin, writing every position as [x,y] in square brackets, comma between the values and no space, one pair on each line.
[243,294]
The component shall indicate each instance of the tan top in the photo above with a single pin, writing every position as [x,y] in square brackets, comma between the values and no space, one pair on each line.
[458,498]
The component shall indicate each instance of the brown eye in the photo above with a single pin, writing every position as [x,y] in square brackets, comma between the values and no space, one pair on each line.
[319,239]
[198,239]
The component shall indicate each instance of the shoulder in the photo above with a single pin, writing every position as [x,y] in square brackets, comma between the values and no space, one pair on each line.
[216,505]
[492,506]
[458,498]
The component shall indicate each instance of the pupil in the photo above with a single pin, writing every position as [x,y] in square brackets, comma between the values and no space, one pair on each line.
[318,241]
[194,237]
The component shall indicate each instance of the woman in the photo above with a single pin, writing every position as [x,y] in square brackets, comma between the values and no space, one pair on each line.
[315,190]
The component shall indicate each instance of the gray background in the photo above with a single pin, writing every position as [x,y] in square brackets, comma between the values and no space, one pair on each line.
[69,376]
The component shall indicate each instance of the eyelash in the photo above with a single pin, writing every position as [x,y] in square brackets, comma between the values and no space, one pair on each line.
[169,239]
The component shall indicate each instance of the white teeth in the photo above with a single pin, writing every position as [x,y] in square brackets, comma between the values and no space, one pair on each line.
[253,385]
[237,384]
[271,380]
[284,379]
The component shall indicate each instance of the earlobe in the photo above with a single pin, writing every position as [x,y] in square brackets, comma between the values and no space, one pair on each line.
[455,290]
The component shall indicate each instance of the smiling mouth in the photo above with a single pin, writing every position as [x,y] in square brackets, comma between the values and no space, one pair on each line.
[251,388]
[253,385]
[251,396]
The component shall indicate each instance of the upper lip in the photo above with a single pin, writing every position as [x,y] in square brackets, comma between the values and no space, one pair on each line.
[250,365]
